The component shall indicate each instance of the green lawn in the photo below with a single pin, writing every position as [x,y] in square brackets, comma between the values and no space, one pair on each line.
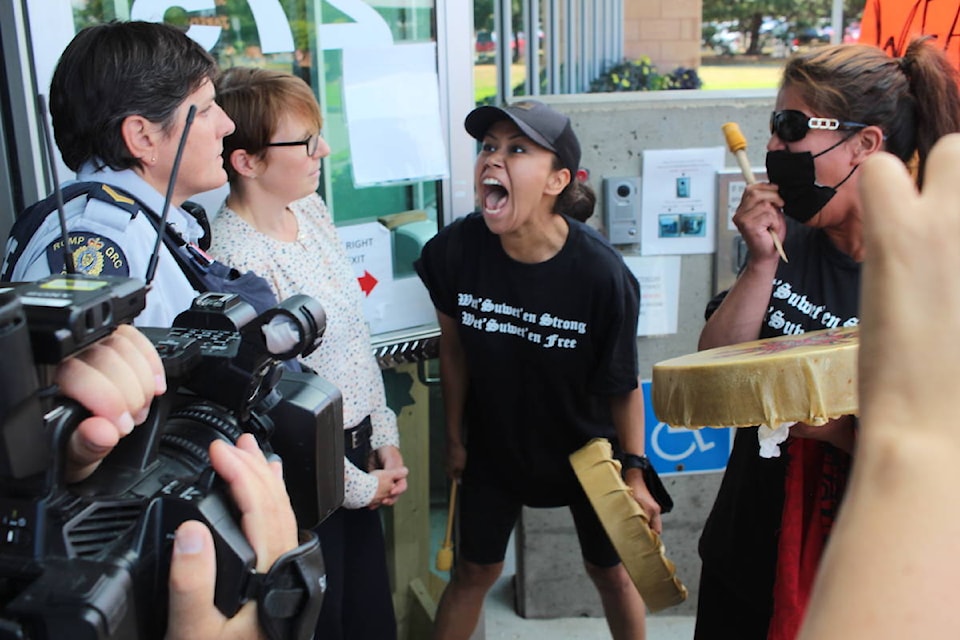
[485,79]
[760,75]
[745,76]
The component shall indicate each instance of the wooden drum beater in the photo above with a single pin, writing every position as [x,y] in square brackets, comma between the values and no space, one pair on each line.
[738,147]
[445,554]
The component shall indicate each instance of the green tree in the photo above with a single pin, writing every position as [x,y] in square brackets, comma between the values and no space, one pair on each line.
[748,15]
[483,15]
[483,11]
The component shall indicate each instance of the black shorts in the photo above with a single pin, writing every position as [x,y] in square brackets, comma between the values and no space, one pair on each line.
[488,515]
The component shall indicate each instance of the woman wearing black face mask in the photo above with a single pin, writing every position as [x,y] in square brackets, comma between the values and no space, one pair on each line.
[836,106]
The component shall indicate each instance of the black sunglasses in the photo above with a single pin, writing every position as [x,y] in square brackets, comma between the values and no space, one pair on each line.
[791,125]
[311,143]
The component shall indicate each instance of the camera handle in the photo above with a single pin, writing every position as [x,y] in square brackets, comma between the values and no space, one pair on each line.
[211,505]
[138,450]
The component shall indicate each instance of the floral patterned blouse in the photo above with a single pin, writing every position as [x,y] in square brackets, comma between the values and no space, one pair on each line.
[316,264]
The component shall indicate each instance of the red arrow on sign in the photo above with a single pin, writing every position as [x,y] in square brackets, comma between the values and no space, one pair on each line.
[367,282]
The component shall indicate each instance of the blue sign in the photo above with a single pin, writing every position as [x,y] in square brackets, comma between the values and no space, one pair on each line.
[673,451]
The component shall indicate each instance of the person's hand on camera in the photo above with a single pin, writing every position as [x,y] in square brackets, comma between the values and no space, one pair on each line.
[270,526]
[115,379]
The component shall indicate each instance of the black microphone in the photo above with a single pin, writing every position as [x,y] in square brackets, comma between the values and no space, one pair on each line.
[58,193]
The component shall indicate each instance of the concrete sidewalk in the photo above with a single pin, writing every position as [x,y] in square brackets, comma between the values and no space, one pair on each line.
[503,623]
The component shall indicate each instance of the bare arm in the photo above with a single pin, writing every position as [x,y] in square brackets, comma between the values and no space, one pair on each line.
[887,572]
[740,315]
[627,411]
[453,383]
[840,432]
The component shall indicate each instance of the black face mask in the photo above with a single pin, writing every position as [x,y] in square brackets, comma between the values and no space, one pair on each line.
[796,177]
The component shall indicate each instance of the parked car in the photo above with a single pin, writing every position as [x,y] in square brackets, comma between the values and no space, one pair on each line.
[485,45]
[810,36]
[724,38]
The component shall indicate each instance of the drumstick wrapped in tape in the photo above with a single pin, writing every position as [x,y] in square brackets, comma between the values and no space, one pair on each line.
[639,547]
[737,144]
[445,553]
[811,378]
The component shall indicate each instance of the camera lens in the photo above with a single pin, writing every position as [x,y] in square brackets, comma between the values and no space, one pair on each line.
[190,430]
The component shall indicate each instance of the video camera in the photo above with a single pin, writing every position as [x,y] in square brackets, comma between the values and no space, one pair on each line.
[91,559]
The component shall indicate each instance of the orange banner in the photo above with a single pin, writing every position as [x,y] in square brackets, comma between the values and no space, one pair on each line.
[891,24]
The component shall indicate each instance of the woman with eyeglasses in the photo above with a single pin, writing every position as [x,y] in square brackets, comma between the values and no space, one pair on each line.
[275,224]
[836,107]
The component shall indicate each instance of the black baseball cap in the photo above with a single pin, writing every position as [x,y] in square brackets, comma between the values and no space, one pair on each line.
[548,128]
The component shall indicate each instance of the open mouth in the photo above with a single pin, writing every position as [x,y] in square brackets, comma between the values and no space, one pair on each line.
[495,196]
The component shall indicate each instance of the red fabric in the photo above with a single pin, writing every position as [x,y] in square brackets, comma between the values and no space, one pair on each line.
[814,485]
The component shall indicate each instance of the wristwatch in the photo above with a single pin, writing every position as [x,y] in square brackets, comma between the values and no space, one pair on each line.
[633,461]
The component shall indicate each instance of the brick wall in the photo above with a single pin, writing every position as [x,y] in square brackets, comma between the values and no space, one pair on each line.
[668,31]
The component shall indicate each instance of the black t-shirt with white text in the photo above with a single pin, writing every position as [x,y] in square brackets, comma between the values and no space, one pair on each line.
[819,288]
[546,345]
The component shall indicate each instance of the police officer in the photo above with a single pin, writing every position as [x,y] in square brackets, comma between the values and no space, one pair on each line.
[119,98]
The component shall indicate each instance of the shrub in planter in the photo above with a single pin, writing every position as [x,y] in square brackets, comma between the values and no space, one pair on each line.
[684,78]
[642,75]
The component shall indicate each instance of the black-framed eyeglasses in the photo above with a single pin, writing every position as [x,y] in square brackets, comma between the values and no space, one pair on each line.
[312,144]
[791,125]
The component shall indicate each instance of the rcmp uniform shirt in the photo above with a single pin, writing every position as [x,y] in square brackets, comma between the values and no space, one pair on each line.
[115,240]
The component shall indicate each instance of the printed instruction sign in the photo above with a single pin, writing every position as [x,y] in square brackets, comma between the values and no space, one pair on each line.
[678,203]
[659,278]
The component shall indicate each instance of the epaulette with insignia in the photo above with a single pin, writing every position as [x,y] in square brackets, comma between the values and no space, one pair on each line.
[116,197]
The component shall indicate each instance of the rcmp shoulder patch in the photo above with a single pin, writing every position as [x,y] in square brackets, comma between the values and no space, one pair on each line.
[93,255]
